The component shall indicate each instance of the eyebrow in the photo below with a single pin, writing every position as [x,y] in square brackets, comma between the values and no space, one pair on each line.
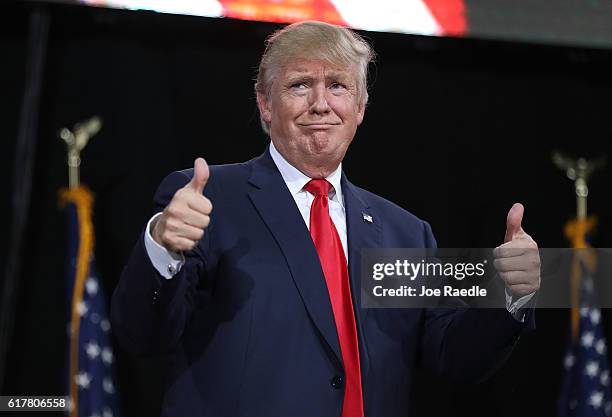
[304,75]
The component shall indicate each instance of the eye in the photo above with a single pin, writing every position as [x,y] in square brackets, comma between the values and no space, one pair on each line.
[337,86]
[299,85]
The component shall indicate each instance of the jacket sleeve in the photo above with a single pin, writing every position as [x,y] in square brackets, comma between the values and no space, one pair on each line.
[469,344]
[148,311]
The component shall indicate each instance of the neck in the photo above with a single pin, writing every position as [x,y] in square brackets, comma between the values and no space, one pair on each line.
[313,166]
[315,171]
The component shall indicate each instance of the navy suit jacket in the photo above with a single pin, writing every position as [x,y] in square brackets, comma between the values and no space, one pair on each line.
[247,323]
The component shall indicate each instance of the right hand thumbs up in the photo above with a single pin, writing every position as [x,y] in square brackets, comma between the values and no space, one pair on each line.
[200,175]
[182,223]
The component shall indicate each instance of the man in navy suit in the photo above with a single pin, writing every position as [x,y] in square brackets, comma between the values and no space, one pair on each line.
[255,302]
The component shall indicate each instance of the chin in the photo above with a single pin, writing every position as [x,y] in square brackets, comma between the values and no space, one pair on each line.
[320,142]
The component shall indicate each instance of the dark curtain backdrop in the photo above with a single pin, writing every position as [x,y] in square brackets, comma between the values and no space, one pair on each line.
[456,131]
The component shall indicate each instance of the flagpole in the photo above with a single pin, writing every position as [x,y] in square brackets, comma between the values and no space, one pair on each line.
[76,140]
[579,171]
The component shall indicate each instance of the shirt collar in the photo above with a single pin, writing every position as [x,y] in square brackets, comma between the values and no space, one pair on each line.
[296,180]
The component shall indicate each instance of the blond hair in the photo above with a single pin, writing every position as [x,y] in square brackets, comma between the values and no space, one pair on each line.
[314,40]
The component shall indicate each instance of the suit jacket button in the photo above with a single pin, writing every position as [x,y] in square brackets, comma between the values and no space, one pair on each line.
[336,382]
[155,296]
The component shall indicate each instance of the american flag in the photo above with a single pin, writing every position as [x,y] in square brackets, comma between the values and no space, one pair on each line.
[91,384]
[586,383]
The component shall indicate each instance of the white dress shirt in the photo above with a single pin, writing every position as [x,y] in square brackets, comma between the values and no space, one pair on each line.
[296,180]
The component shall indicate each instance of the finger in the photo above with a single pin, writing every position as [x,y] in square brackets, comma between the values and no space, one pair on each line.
[513,222]
[200,175]
[504,251]
[199,203]
[181,244]
[190,232]
[172,240]
[512,264]
[196,219]
[515,278]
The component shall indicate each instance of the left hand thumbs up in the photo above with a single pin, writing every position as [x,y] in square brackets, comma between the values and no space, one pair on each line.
[514,230]
[517,261]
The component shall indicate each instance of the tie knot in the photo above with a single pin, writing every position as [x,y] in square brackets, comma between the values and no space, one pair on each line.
[318,187]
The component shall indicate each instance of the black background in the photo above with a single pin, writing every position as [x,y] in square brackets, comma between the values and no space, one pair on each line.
[456,131]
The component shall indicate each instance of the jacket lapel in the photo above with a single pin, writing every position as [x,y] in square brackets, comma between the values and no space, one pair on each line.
[364,231]
[277,208]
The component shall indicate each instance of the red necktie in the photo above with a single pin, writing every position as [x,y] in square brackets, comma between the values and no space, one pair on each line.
[333,262]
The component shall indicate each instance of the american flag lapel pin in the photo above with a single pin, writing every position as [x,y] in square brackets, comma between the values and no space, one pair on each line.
[367,218]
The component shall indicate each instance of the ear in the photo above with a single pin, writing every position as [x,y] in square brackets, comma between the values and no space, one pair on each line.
[264,107]
[360,112]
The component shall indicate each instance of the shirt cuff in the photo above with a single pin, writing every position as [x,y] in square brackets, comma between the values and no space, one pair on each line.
[514,307]
[166,262]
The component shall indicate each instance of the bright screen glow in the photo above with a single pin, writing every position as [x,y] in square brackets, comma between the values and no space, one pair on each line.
[422,17]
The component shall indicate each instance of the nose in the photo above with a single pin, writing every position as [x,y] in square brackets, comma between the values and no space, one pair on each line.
[318,101]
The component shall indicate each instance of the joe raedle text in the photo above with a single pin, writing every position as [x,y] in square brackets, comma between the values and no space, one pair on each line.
[424,291]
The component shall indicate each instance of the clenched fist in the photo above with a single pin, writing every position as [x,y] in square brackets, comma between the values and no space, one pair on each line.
[182,223]
[517,261]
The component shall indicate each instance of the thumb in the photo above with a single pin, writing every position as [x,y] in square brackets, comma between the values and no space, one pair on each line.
[513,222]
[200,175]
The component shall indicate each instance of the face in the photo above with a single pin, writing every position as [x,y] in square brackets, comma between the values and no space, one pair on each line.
[313,111]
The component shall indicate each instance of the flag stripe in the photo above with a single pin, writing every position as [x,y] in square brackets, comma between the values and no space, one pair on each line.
[450,15]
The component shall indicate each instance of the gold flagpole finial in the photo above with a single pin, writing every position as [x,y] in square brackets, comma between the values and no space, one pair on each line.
[76,140]
[579,170]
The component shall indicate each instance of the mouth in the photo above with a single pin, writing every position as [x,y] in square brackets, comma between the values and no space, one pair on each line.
[318,126]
